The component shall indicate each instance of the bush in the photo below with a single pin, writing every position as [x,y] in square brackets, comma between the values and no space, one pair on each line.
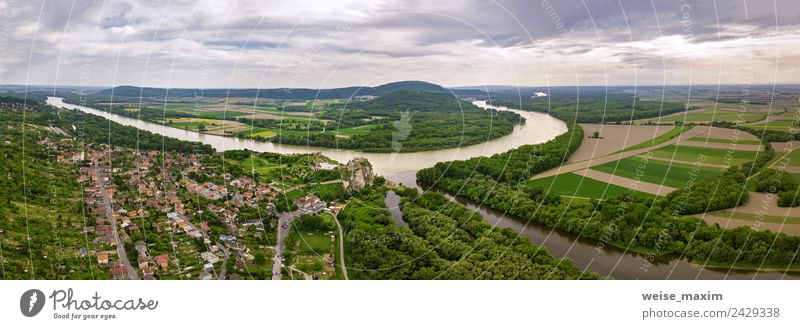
[788,199]
[774,181]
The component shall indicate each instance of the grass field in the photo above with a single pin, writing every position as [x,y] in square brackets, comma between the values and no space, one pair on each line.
[714,115]
[725,141]
[791,159]
[314,243]
[574,185]
[657,172]
[778,125]
[261,132]
[360,130]
[221,114]
[722,115]
[658,140]
[713,156]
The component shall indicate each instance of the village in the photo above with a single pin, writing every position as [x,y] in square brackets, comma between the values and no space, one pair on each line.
[167,215]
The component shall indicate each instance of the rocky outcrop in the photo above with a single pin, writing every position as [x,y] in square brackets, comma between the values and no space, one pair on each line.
[358,174]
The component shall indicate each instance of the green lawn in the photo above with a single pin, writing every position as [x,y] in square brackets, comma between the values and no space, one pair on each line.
[328,192]
[574,185]
[674,132]
[657,172]
[725,141]
[712,155]
[317,243]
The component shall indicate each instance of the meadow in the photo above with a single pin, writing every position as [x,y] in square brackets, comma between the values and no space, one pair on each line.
[658,172]
[711,156]
[573,185]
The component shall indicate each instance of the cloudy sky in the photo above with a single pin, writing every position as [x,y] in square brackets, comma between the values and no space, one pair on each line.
[321,44]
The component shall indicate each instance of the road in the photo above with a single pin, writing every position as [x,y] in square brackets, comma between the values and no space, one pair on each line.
[341,246]
[107,202]
[283,220]
[223,272]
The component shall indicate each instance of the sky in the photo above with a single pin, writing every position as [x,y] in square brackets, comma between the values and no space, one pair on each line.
[335,43]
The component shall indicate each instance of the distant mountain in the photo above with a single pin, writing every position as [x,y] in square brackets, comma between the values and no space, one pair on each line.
[277,93]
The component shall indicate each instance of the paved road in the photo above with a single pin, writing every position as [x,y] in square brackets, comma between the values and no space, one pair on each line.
[107,202]
[341,246]
[283,220]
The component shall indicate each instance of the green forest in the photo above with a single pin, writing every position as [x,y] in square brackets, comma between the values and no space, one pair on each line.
[591,107]
[409,121]
[657,226]
[444,240]
[41,231]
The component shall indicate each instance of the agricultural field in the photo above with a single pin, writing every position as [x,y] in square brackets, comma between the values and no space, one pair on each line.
[713,156]
[709,115]
[672,133]
[573,185]
[751,217]
[792,158]
[615,137]
[781,124]
[658,172]
[723,140]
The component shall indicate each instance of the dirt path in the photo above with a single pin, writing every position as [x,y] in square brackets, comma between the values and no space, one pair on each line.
[633,184]
[341,246]
[571,167]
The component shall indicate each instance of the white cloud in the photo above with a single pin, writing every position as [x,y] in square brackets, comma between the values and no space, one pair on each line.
[336,43]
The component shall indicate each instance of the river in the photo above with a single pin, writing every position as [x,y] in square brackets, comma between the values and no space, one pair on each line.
[402,168]
[397,167]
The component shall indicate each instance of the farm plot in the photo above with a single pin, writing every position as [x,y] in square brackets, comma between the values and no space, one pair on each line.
[709,156]
[658,172]
[573,185]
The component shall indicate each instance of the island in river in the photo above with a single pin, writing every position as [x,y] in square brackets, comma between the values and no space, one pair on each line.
[398,121]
